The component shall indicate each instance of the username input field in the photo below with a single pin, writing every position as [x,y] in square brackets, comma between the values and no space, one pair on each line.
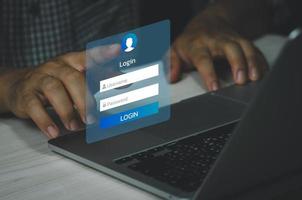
[129,97]
[129,78]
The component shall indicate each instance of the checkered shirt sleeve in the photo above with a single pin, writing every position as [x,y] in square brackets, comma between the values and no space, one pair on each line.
[34,31]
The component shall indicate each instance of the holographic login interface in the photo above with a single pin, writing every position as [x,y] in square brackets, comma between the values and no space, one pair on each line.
[127,80]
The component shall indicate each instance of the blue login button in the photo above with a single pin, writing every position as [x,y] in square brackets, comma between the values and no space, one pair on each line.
[128,116]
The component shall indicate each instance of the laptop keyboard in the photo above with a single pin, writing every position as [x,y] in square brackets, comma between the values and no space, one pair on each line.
[183,163]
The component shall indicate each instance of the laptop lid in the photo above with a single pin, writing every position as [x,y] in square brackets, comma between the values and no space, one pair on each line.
[265,148]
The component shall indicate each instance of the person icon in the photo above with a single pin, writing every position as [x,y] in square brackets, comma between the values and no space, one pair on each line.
[104,87]
[129,42]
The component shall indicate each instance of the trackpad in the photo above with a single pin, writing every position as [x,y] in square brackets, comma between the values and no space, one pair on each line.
[198,114]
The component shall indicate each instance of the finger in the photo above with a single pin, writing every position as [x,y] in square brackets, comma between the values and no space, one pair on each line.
[99,55]
[57,96]
[203,61]
[38,114]
[102,54]
[235,56]
[257,64]
[76,60]
[175,66]
[74,82]
[91,107]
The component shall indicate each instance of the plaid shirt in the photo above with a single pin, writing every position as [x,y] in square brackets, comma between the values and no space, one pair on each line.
[33,31]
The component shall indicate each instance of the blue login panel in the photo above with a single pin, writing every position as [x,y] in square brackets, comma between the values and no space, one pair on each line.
[127,81]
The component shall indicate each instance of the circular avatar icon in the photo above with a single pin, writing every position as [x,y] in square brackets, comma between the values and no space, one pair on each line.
[129,42]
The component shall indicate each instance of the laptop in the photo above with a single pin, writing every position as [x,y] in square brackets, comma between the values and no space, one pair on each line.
[220,145]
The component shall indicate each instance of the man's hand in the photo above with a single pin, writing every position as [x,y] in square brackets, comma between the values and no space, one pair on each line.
[208,37]
[59,83]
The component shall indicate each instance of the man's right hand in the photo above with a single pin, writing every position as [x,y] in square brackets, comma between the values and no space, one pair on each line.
[59,83]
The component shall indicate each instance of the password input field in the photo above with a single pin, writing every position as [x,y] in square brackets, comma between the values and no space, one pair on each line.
[129,97]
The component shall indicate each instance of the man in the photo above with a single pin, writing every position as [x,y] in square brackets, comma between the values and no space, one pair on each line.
[223,29]
[40,55]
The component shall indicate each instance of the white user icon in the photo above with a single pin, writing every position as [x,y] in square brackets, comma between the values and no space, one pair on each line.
[129,43]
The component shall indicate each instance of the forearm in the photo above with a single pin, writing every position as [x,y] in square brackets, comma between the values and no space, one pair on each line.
[250,18]
[7,78]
